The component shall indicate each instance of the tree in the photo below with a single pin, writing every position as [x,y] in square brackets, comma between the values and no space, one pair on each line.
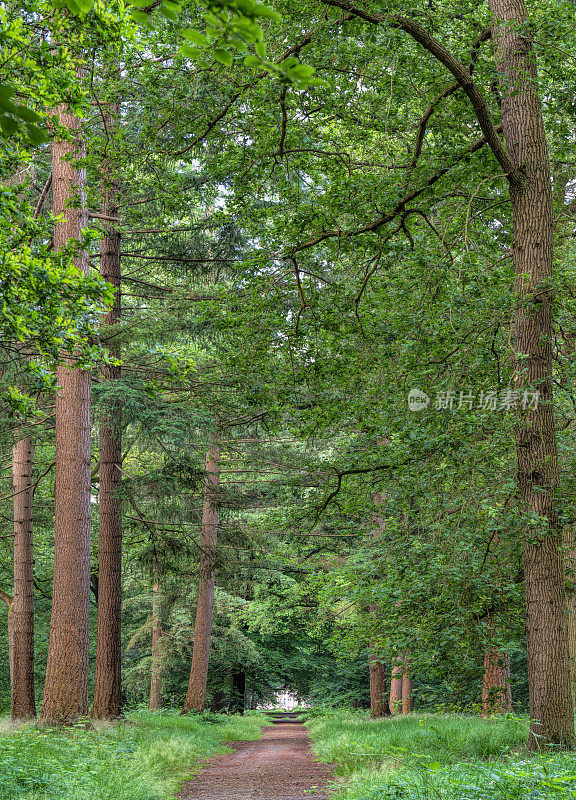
[108,680]
[155,700]
[407,684]
[551,709]
[379,706]
[66,687]
[496,692]
[196,694]
[22,612]
[396,680]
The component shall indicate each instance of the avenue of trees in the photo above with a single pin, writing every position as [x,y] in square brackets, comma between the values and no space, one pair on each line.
[287,364]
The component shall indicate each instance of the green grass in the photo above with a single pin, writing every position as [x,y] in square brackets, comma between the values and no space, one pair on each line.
[145,758]
[429,757]
[351,740]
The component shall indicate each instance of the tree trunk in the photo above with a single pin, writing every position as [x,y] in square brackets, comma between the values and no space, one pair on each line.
[571,607]
[22,616]
[238,692]
[66,686]
[108,680]
[379,706]
[496,692]
[570,567]
[157,633]
[395,703]
[407,684]
[537,458]
[196,695]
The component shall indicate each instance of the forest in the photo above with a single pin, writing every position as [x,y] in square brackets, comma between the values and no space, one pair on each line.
[288,395]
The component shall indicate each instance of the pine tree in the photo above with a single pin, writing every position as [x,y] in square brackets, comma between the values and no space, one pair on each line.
[66,686]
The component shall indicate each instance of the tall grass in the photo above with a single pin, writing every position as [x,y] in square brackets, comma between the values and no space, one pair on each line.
[351,740]
[426,757]
[147,757]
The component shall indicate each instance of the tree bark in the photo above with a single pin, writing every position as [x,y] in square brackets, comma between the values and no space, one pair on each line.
[237,695]
[108,679]
[379,706]
[22,615]
[378,688]
[66,686]
[157,633]
[536,449]
[407,685]
[395,703]
[570,567]
[496,692]
[196,695]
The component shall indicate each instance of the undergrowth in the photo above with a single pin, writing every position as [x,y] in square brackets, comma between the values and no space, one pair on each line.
[147,757]
[431,757]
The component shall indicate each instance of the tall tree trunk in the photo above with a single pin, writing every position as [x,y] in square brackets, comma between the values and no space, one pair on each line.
[196,695]
[157,633]
[379,706]
[66,686]
[108,680]
[378,687]
[395,703]
[22,616]
[546,625]
[407,684]
[570,567]
[238,692]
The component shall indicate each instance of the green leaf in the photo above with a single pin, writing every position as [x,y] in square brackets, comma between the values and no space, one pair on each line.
[260,49]
[261,10]
[141,18]
[190,52]
[6,92]
[195,36]
[223,56]
[36,135]
[302,72]
[8,124]
[252,61]
[79,7]
[26,114]
[238,44]
[168,13]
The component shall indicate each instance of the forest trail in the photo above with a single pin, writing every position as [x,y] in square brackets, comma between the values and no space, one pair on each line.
[280,766]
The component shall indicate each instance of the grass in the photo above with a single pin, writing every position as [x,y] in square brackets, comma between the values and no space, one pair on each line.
[429,757]
[145,758]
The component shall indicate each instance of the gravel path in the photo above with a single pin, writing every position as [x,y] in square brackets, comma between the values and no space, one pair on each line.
[280,766]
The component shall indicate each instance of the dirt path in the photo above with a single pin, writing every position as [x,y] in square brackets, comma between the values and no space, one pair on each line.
[279,766]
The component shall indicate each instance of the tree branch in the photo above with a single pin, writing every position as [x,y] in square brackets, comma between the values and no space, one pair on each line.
[400,206]
[454,66]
